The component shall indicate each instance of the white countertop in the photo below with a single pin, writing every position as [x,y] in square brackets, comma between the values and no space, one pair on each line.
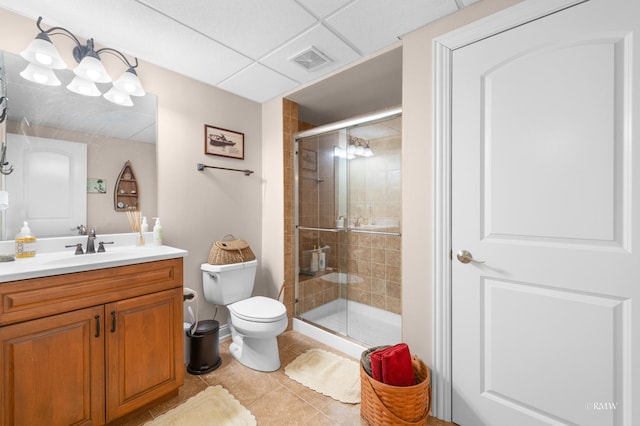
[51,262]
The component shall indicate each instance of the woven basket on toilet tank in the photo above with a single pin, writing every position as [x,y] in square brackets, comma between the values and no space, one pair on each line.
[226,251]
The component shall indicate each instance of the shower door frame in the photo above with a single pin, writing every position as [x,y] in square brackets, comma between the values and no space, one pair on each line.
[316,131]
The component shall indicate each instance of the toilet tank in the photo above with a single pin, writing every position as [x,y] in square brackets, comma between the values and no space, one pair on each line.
[225,284]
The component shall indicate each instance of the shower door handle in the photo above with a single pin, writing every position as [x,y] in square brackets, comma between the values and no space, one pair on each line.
[465,256]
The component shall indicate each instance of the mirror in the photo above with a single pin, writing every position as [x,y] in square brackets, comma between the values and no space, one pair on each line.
[112,134]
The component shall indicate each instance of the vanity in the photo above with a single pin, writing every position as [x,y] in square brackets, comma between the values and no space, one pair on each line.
[88,339]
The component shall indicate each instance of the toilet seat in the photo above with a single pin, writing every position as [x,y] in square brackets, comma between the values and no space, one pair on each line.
[258,309]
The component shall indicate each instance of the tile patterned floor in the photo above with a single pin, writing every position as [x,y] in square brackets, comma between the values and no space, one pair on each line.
[272,398]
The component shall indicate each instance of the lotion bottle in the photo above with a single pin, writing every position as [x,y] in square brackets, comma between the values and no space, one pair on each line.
[157,232]
[25,243]
[314,260]
[144,227]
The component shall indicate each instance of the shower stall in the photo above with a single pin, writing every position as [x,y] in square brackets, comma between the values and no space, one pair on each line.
[348,230]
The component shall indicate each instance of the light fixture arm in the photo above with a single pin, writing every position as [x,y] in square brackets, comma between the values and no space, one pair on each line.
[81,50]
[118,55]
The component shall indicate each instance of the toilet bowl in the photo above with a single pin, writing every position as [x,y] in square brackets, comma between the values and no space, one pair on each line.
[254,322]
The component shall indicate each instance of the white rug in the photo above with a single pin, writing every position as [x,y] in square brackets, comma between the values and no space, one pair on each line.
[213,406]
[328,374]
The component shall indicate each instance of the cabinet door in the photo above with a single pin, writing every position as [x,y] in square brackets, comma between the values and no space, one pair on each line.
[53,370]
[144,350]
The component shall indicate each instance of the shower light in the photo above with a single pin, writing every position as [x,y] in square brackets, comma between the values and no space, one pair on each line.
[43,57]
[359,147]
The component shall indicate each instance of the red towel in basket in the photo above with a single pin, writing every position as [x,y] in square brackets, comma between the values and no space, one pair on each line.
[393,366]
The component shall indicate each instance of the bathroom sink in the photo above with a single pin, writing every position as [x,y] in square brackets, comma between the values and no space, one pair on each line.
[71,259]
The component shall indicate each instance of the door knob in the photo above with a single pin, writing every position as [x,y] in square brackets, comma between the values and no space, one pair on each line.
[465,256]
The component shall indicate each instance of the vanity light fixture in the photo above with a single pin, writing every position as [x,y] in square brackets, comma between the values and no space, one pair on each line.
[43,58]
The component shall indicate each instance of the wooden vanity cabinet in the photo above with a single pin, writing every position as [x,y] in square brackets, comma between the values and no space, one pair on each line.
[53,370]
[90,364]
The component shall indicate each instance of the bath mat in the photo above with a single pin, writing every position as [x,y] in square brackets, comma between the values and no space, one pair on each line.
[213,406]
[328,374]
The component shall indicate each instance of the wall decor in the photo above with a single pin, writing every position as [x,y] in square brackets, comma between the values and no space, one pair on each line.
[96,186]
[223,142]
[309,160]
[125,193]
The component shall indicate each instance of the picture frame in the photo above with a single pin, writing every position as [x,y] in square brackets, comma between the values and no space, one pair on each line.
[309,160]
[96,186]
[223,142]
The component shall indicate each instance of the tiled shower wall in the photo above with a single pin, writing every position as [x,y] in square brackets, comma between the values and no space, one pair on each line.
[373,261]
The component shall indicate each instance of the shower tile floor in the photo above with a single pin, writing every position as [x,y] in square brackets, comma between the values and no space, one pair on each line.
[367,324]
[272,398]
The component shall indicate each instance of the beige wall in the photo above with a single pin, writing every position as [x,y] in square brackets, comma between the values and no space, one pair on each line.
[417,238]
[196,207]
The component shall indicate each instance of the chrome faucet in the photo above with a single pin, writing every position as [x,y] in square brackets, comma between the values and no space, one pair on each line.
[358,223]
[91,236]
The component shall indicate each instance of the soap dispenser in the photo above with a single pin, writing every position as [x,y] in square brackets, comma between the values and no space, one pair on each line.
[157,232]
[25,243]
[144,227]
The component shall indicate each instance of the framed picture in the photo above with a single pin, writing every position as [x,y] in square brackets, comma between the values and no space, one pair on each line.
[223,142]
[96,186]
[309,160]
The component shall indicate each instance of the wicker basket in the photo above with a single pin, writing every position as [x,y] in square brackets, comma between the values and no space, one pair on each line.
[227,251]
[383,404]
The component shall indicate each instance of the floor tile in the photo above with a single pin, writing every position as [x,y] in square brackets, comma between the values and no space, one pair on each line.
[272,398]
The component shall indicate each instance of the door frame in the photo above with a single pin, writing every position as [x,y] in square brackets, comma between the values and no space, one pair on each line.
[442,54]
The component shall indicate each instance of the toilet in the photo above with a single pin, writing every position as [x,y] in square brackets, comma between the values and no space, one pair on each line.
[254,322]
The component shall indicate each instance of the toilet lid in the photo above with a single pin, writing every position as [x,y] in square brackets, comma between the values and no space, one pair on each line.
[258,309]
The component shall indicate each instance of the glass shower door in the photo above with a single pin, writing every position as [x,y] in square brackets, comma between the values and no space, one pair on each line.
[348,213]
[321,196]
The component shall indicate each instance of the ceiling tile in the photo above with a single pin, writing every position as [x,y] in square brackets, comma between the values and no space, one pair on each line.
[373,24]
[128,26]
[258,83]
[320,38]
[252,27]
[322,8]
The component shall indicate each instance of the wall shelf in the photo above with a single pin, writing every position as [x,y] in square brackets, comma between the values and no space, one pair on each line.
[126,193]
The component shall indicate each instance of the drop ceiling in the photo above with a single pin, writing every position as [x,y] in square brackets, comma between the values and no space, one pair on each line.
[243,46]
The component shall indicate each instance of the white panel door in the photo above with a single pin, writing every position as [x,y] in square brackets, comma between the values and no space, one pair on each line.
[48,187]
[546,191]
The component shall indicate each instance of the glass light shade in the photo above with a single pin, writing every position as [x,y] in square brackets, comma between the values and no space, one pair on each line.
[91,68]
[41,75]
[42,52]
[367,152]
[359,150]
[129,83]
[83,87]
[117,97]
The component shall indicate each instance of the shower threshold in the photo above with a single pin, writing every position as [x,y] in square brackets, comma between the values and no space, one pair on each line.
[363,323]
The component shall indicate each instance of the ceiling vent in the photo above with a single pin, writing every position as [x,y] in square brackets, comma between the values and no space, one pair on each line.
[311,59]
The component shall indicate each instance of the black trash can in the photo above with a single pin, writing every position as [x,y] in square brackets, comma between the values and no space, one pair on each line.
[204,347]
